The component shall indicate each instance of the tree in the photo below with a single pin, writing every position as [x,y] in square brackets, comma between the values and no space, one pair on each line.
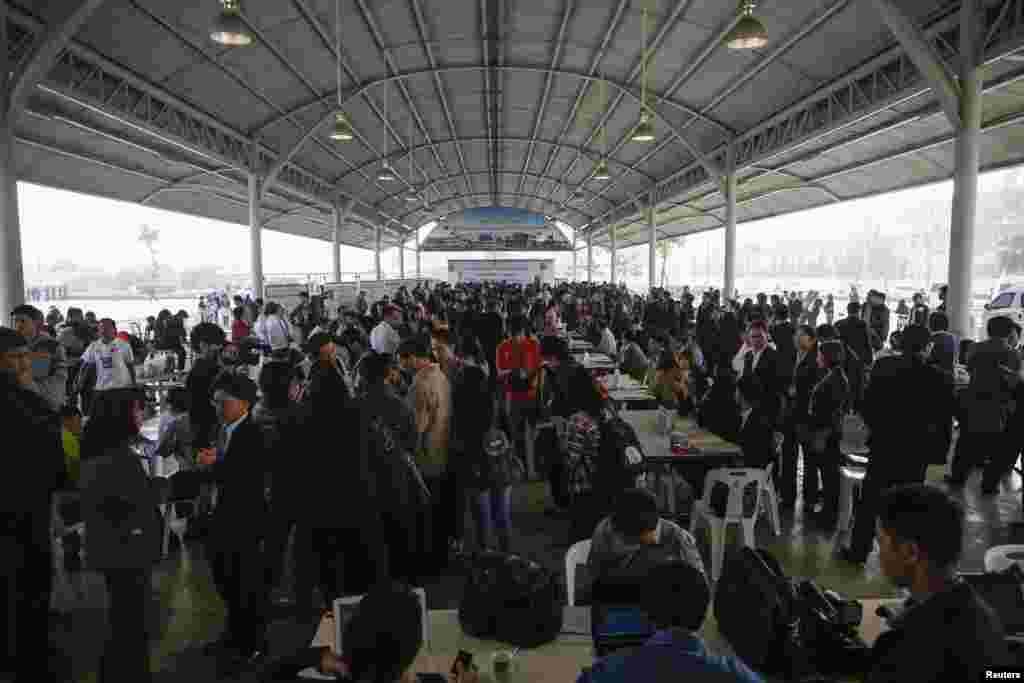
[664,249]
[150,237]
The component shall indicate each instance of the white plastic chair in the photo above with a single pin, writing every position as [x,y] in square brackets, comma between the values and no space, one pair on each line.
[738,481]
[770,499]
[578,554]
[999,557]
[851,479]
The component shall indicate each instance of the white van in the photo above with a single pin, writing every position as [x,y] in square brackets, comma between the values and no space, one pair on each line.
[1009,303]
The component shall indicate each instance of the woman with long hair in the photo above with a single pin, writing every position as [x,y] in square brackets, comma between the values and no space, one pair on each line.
[830,399]
[119,506]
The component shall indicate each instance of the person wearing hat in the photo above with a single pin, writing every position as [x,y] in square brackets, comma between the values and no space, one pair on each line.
[49,360]
[25,504]
[208,344]
[237,464]
[908,408]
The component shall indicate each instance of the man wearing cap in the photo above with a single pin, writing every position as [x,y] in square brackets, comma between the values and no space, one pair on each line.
[909,410]
[238,464]
[49,360]
[385,338]
[25,499]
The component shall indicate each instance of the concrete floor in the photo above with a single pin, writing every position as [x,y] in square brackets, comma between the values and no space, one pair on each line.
[187,612]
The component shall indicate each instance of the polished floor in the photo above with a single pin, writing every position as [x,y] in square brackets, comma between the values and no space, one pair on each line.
[187,612]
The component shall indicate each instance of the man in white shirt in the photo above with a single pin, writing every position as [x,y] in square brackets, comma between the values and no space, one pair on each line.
[385,338]
[112,357]
[607,345]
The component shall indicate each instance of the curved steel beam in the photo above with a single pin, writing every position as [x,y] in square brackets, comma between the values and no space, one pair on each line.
[187,180]
[591,154]
[329,98]
[394,196]
[454,199]
[36,64]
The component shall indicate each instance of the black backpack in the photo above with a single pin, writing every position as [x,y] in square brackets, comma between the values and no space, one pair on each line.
[782,627]
[510,599]
[621,460]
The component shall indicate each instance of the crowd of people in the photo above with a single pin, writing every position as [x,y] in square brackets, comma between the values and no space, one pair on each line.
[439,400]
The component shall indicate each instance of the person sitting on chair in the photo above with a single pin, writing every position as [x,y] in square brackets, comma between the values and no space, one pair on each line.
[675,598]
[632,539]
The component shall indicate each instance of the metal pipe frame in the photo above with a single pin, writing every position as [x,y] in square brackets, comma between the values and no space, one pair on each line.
[443,203]
[44,51]
[215,61]
[925,57]
[868,90]
[396,195]
[421,27]
[736,84]
[465,141]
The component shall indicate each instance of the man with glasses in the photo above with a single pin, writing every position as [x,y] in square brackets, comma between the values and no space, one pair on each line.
[48,358]
[237,464]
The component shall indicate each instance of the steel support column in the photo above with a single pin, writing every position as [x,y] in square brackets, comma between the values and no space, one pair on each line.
[418,276]
[336,244]
[729,190]
[652,264]
[611,235]
[12,284]
[590,257]
[376,255]
[965,184]
[574,275]
[255,236]
[401,259]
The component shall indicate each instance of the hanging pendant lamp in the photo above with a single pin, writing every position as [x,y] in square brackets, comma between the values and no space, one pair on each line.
[749,33]
[601,171]
[386,174]
[644,131]
[229,30]
[342,131]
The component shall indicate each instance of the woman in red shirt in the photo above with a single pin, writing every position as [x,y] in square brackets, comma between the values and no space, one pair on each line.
[239,328]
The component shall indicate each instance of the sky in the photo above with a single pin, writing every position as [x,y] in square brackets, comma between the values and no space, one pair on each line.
[57,224]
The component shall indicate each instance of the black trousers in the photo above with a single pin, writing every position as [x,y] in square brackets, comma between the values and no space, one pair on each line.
[825,464]
[126,656]
[790,455]
[881,475]
[974,448]
[240,577]
[26,577]
[282,522]
[347,561]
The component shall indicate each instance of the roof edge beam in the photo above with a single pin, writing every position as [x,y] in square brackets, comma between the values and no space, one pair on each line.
[45,51]
[920,51]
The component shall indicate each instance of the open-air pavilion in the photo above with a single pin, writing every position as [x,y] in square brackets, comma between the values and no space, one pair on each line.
[358,122]
[627,120]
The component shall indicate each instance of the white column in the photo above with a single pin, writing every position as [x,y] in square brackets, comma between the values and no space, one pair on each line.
[653,234]
[590,257]
[965,184]
[418,276]
[255,237]
[401,258]
[377,255]
[729,189]
[573,278]
[12,271]
[336,245]
[611,235]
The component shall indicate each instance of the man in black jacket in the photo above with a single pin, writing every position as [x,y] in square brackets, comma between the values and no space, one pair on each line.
[756,434]
[909,409]
[26,492]
[238,464]
[946,633]
[854,332]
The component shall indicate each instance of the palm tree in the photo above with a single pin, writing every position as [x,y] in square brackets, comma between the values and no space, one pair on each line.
[664,249]
[150,237]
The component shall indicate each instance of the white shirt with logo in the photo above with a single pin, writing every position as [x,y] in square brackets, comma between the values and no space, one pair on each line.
[112,362]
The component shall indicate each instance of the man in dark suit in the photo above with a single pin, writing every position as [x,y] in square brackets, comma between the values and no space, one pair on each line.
[994,366]
[801,383]
[238,465]
[758,359]
[854,332]
[909,409]
[756,433]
